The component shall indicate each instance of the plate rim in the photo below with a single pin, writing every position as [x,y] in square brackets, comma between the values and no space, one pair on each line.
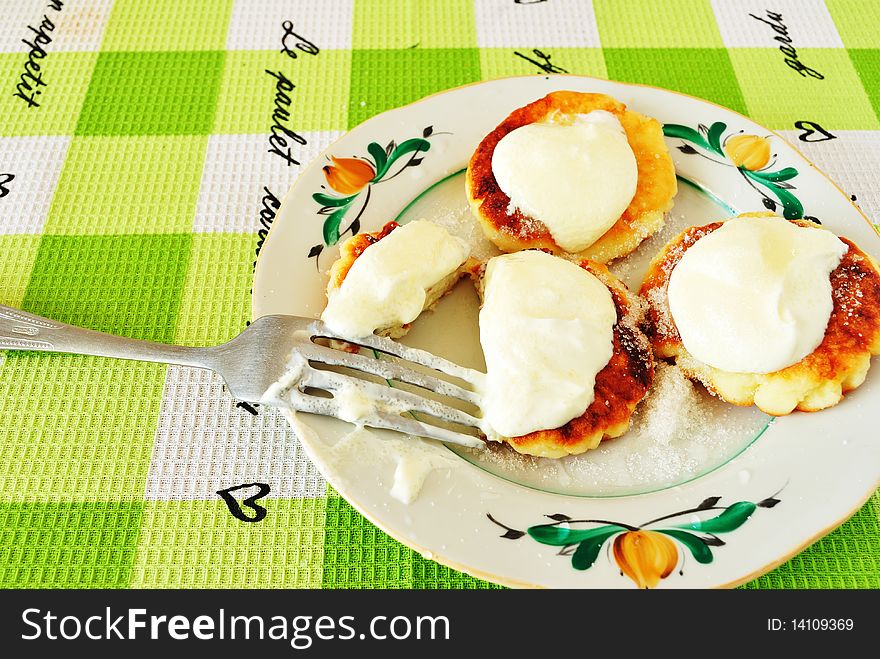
[340,487]
[513,583]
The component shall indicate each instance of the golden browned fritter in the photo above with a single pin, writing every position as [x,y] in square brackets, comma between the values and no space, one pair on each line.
[839,364]
[643,217]
[619,387]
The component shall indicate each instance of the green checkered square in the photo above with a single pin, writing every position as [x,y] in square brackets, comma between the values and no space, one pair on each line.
[359,555]
[503,62]
[856,22]
[112,185]
[68,545]
[777,95]
[167,25]
[66,77]
[406,24]
[199,544]
[867,65]
[703,72]
[17,254]
[385,79]
[429,574]
[247,93]
[76,428]
[126,284]
[215,302]
[657,24]
[152,93]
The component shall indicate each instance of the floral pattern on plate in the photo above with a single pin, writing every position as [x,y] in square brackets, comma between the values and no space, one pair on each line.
[751,155]
[645,555]
[351,179]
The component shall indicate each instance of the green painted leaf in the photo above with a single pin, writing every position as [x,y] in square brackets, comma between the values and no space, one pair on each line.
[792,209]
[330,200]
[588,550]
[558,536]
[331,226]
[686,133]
[405,147]
[730,519]
[714,136]
[408,146]
[782,175]
[699,549]
[379,156]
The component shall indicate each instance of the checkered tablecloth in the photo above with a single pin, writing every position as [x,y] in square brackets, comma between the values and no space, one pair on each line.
[130,202]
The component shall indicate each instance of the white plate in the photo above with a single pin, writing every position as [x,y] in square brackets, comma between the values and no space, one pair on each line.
[773,489]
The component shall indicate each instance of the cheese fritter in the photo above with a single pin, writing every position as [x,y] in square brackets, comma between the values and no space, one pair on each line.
[839,364]
[645,214]
[352,248]
[620,385]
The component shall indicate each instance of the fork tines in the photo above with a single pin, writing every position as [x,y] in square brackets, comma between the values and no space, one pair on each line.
[318,369]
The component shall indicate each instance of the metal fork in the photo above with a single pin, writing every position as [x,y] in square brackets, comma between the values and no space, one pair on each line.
[258,358]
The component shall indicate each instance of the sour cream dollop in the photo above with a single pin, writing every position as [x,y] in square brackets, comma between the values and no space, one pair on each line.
[387,284]
[577,179]
[754,296]
[546,327]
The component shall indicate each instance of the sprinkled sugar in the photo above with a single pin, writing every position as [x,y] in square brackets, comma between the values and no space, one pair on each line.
[678,432]
[458,221]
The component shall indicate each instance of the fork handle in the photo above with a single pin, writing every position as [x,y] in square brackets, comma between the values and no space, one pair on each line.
[20,330]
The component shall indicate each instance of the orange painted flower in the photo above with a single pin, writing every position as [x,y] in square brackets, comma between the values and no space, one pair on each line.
[646,557]
[748,151]
[348,175]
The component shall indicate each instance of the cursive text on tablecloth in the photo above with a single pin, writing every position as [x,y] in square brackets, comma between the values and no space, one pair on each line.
[30,82]
[541,60]
[280,132]
[774,20]
[282,136]
[301,42]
